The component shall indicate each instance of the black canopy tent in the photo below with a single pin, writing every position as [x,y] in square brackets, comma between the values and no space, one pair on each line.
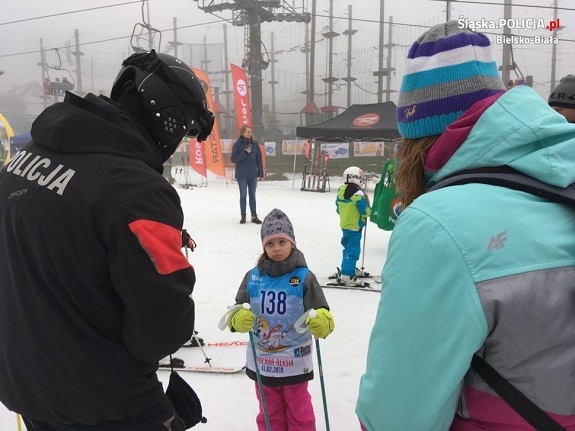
[371,122]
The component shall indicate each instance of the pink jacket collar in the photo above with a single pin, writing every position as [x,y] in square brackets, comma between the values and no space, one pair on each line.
[455,134]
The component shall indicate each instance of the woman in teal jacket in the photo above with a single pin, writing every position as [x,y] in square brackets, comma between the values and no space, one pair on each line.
[473,268]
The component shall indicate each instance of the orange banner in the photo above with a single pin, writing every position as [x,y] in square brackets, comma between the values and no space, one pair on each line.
[241,97]
[263,151]
[197,157]
[212,147]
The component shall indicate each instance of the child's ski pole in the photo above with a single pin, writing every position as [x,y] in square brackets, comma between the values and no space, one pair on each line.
[207,361]
[363,251]
[222,325]
[300,327]
[260,386]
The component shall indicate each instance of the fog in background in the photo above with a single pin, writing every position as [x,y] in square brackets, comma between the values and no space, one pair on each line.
[105,28]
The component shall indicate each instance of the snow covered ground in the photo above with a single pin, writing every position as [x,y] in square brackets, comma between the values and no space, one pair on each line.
[225,251]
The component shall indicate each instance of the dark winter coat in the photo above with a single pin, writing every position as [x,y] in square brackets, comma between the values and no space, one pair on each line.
[248,166]
[94,287]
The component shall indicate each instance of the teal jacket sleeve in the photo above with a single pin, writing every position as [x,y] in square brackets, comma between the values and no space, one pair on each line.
[428,324]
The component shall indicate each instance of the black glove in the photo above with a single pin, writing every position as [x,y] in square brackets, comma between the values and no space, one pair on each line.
[187,241]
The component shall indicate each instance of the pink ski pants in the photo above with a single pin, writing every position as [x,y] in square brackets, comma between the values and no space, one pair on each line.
[289,408]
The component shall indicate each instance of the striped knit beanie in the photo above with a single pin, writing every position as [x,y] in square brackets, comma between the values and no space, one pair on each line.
[448,70]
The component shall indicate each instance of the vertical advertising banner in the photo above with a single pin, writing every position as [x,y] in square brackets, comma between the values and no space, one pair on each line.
[197,157]
[241,97]
[212,149]
[263,151]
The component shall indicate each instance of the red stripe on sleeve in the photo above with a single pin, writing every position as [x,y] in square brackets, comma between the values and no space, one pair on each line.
[162,243]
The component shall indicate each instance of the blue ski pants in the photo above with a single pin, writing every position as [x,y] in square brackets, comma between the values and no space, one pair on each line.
[351,242]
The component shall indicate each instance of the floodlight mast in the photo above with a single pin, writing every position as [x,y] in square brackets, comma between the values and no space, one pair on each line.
[250,14]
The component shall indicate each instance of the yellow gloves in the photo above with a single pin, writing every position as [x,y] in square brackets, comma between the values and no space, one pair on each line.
[321,325]
[242,320]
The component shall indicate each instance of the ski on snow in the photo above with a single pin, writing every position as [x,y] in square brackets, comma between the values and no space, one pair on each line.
[227,344]
[189,354]
[363,281]
[204,369]
[219,344]
[359,273]
[365,286]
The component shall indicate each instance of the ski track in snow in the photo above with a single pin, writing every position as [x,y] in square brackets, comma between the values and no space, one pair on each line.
[225,251]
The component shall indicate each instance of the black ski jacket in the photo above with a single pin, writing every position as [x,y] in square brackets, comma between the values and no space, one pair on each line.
[94,288]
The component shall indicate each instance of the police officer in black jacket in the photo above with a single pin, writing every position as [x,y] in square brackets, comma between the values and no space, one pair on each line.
[94,287]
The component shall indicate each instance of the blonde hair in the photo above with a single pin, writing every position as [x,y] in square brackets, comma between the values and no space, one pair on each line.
[261,259]
[410,180]
[243,129]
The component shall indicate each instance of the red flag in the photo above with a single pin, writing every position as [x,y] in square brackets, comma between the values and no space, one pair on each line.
[263,151]
[197,157]
[212,147]
[241,97]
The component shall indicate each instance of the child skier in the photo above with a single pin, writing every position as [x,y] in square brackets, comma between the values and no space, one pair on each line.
[352,205]
[279,290]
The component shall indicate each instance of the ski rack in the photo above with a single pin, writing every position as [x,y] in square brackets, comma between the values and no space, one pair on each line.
[316,158]
[185,171]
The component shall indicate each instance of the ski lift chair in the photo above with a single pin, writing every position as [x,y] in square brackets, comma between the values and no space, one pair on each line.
[58,87]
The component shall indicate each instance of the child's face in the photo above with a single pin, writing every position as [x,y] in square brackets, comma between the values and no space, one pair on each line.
[278,249]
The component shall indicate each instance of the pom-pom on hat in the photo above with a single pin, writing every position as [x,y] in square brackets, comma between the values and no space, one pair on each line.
[448,70]
[277,225]
[563,95]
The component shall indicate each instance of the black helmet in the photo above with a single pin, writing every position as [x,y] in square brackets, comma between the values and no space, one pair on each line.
[171,92]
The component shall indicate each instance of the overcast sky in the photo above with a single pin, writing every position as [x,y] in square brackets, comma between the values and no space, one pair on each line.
[105,26]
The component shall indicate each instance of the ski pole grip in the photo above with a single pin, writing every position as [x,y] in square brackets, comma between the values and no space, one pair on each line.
[225,319]
[300,325]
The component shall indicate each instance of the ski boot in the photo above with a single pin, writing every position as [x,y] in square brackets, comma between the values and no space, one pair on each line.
[361,273]
[195,341]
[174,362]
[336,275]
[346,280]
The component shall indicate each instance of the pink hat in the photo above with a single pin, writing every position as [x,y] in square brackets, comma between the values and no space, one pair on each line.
[277,225]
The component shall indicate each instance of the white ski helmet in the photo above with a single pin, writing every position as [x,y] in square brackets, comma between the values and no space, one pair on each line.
[353,175]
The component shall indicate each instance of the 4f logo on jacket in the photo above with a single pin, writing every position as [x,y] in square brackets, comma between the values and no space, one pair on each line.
[497,241]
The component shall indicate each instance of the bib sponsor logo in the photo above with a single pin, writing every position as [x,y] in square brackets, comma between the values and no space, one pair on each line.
[294,280]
